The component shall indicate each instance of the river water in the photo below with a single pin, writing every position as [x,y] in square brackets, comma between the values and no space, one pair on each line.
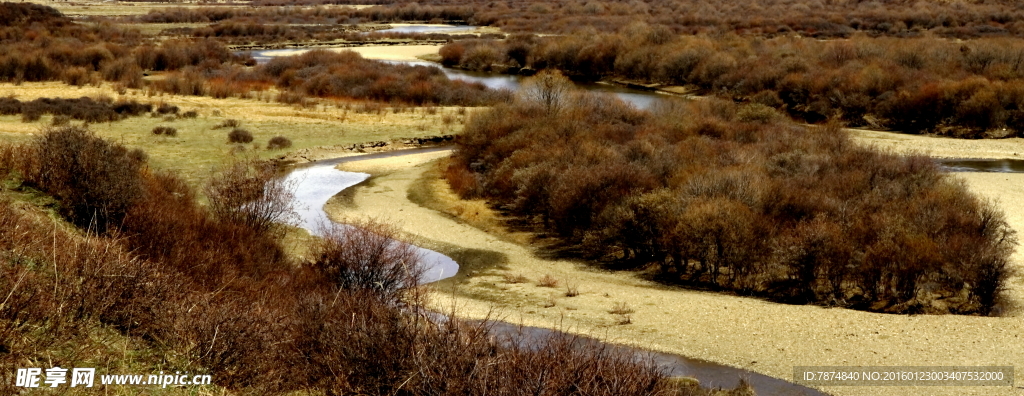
[428,28]
[981,165]
[316,182]
[638,98]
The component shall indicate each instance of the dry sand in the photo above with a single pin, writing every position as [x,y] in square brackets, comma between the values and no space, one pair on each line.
[942,147]
[762,336]
[381,52]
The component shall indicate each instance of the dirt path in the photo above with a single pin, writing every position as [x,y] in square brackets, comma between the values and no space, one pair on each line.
[743,332]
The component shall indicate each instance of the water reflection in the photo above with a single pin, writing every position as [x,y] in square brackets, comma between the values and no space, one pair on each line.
[981,165]
[638,98]
[316,182]
[427,29]
[709,374]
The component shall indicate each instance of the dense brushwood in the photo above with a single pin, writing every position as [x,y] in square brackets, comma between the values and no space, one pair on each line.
[327,74]
[730,197]
[85,108]
[346,74]
[971,89]
[757,17]
[22,14]
[220,294]
[41,45]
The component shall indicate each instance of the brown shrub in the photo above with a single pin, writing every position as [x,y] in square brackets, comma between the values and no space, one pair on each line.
[96,181]
[239,135]
[734,197]
[279,142]
[249,192]
[165,130]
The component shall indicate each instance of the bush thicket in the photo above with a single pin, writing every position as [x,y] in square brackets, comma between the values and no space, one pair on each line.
[762,206]
[165,130]
[279,142]
[84,109]
[757,17]
[919,85]
[240,135]
[222,295]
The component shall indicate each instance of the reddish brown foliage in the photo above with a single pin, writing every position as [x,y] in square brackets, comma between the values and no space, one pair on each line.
[716,197]
[922,85]
[223,295]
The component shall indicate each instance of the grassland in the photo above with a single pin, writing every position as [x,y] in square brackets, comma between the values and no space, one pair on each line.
[199,148]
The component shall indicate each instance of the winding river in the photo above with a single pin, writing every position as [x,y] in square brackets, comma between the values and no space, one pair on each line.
[316,182]
[638,98]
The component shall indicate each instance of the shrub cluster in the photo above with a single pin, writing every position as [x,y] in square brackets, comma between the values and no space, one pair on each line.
[96,181]
[239,135]
[41,45]
[84,108]
[24,14]
[279,142]
[346,74]
[165,130]
[971,89]
[758,17]
[716,195]
[224,296]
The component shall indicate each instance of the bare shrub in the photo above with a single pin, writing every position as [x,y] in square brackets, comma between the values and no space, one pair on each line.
[621,308]
[514,278]
[166,108]
[228,123]
[97,181]
[165,130]
[571,290]
[60,120]
[249,192]
[367,256]
[547,281]
[239,135]
[279,142]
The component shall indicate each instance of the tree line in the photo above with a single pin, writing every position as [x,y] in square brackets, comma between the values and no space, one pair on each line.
[967,89]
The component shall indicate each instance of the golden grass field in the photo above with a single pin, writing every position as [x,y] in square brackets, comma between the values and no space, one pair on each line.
[199,148]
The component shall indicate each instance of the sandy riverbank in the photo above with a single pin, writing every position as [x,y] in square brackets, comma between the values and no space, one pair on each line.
[942,147]
[743,332]
[380,52]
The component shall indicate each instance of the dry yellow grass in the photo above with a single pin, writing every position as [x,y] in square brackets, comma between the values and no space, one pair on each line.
[198,148]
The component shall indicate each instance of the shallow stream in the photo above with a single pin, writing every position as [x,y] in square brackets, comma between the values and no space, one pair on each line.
[317,182]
